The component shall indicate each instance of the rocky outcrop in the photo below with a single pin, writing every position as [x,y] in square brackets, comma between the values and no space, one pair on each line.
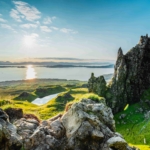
[131,76]
[97,85]
[9,139]
[87,125]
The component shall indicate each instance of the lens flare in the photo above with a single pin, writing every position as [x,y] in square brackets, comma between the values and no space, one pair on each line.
[126,107]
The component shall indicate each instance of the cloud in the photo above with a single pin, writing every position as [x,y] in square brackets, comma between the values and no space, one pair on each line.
[66,58]
[28,25]
[6,26]
[24,10]
[65,30]
[54,17]
[58,58]
[34,35]
[15,15]
[0,14]
[48,20]
[54,28]
[2,20]
[45,29]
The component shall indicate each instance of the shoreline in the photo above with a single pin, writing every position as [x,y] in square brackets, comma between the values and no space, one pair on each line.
[36,81]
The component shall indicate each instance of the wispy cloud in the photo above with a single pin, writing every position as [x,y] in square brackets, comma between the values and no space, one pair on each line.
[24,10]
[15,15]
[34,35]
[73,59]
[2,20]
[60,58]
[66,58]
[65,30]
[45,29]
[49,20]
[54,28]
[6,26]
[28,25]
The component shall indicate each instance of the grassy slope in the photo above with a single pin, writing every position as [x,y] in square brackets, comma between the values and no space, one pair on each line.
[9,96]
[11,89]
[134,130]
[55,106]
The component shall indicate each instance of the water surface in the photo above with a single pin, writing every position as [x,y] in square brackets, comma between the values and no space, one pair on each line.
[44,100]
[31,72]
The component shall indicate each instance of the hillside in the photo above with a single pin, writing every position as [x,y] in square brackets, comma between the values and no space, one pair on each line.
[128,92]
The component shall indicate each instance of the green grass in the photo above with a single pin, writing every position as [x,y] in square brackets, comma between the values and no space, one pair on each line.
[141,147]
[135,129]
[45,91]
[41,92]
[12,89]
[58,104]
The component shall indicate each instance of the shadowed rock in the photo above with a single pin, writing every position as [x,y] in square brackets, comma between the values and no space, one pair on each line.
[9,139]
[131,76]
[14,113]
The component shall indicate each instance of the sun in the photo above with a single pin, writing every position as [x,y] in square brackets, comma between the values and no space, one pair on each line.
[28,41]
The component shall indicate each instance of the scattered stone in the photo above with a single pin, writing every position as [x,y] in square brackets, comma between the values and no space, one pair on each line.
[147,115]
[122,116]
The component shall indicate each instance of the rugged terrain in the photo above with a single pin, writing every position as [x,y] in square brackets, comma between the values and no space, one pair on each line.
[131,77]
[86,125]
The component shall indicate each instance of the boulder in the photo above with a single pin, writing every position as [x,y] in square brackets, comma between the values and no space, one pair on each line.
[87,125]
[117,143]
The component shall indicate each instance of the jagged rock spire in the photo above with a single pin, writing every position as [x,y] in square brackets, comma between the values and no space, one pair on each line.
[131,76]
[120,52]
[97,85]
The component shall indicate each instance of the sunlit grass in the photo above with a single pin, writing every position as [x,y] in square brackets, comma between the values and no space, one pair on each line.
[135,129]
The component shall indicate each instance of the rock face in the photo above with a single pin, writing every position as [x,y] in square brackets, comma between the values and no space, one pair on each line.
[87,125]
[131,76]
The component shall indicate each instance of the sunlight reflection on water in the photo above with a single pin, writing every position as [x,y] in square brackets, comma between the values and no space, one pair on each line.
[30,72]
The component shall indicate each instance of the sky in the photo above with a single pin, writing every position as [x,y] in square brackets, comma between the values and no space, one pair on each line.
[84,29]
